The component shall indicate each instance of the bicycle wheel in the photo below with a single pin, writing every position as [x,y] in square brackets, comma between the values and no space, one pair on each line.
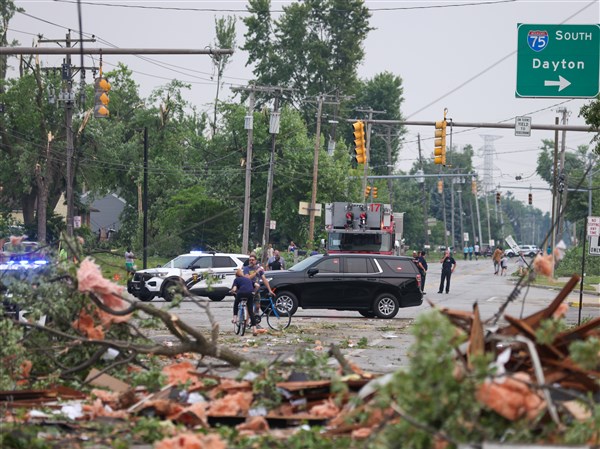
[242,319]
[277,321]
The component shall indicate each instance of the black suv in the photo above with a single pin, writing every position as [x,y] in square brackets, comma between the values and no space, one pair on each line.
[372,284]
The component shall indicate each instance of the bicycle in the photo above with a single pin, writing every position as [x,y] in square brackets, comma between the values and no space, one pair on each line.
[275,319]
[239,327]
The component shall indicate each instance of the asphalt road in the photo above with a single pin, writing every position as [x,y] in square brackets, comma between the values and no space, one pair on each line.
[377,345]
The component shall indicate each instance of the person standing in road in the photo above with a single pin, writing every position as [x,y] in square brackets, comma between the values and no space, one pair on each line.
[476,251]
[470,253]
[276,262]
[417,261]
[448,267]
[496,257]
[270,251]
[465,251]
[424,274]
[129,258]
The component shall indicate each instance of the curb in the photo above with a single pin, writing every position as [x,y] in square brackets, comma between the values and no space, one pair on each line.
[584,304]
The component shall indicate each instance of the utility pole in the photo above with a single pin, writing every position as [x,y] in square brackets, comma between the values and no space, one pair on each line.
[460,209]
[274,130]
[452,213]
[249,125]
[554,188]
[388,146]
[423,196]
[562,176]
[313,198]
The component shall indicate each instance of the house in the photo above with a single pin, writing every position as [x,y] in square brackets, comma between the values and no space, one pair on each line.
[102,214]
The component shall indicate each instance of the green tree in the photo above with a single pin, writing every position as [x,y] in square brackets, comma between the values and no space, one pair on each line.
[225,33]
[591,113]
[314,47]
[383,93]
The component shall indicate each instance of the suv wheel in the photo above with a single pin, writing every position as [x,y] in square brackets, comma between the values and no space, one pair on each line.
[170,289]
[286,302]
[386,306]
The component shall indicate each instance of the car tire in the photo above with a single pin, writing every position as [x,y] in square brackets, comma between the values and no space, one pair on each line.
[386,306]
[367,313]
[216,297]
[286,302]
[168,294]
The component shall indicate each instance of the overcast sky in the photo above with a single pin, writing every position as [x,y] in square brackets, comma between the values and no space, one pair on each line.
[450,54]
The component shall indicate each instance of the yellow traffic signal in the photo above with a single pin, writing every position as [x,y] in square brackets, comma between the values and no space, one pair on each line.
[374,192]
[474,187]
[101,87]
[439,147]
[440,186]
[360,142]
[367,191]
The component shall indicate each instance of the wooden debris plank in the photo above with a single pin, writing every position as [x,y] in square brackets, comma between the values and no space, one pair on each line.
[533,321]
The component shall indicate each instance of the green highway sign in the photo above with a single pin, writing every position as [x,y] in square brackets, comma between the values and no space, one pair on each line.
[558,61]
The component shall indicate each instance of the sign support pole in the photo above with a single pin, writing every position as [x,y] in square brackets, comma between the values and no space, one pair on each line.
[582,272]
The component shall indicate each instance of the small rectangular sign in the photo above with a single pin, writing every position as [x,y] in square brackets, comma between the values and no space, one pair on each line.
[594,246]
[523,126]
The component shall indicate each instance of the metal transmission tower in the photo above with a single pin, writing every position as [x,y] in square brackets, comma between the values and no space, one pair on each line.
[488,162]
[488,174]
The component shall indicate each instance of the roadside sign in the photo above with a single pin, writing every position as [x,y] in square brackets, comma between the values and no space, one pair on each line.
[593,227]
[513,245]
[523,126]
[595,246]
[466,236]
[558,61]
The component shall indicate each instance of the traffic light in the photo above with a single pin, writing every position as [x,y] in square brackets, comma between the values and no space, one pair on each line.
[101,87]
[374,192]
[497,197]
[474,187]
[530,199]
[359,142]
[439,147]
[440,186]
[367,191]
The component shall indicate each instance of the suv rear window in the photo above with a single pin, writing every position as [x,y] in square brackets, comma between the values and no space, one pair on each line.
[399,265]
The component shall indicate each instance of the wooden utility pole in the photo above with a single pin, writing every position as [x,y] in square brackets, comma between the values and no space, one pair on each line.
[274,130]
[313,198]
[423,196]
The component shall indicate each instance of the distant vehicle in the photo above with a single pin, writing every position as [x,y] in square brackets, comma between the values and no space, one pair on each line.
[373,285]
[527,250]
[487,251]
[155,282]
[23,255]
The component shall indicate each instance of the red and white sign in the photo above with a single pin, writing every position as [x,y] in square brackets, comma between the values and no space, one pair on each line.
[593,226]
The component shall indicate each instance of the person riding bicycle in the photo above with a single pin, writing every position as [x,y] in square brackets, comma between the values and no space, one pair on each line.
[243,287]
[256,273]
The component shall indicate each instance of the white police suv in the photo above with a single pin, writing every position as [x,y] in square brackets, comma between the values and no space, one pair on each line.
[205,273]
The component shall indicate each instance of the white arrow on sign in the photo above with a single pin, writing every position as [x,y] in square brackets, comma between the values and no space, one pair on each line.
[561,83]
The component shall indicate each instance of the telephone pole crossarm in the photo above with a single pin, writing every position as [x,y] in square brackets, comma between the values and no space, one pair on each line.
[113,51]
